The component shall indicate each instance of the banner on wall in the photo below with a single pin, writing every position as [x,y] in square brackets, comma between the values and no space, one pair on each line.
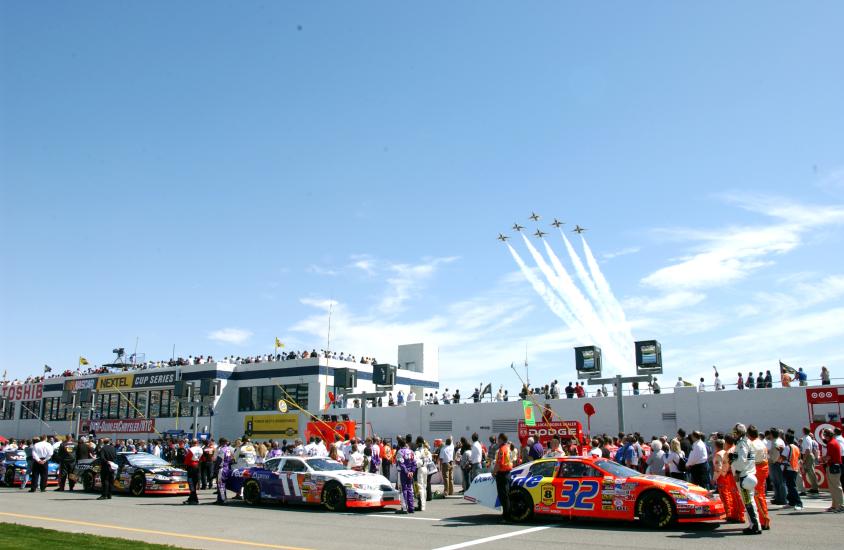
[22,392]
[128,426]
[115,382]
[271,425]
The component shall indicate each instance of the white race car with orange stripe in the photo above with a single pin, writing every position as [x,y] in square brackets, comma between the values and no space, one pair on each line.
[314,481]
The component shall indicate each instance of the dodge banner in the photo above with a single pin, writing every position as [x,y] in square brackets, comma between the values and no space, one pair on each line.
[131,426]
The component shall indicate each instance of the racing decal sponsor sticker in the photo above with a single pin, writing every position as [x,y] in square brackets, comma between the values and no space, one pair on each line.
[547,491]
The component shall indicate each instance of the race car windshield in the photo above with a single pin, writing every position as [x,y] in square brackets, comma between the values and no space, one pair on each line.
[616,469]
[323,465]
[147,461]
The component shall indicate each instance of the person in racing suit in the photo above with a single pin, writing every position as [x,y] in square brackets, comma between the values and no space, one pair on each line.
[406,468]
[223,459]
[743,465]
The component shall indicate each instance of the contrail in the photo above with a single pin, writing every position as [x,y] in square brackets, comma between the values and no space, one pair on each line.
[615,309]
[579,306]
[554,303]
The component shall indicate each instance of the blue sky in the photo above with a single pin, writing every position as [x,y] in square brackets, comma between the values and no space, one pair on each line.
[211,175]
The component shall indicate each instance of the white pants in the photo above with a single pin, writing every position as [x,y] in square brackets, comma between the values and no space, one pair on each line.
[747,490]
[420,480]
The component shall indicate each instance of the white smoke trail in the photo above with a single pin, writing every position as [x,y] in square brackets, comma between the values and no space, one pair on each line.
[551,299]
[583,276]
[582,309]
[622,327]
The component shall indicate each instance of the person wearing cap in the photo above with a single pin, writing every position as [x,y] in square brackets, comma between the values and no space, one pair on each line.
[191,464]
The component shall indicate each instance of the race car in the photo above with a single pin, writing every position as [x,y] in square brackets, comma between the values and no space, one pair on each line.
[14,469]
[597,488]
[312,480]
[137,474]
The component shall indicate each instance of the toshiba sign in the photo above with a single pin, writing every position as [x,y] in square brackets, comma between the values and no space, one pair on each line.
[22,392]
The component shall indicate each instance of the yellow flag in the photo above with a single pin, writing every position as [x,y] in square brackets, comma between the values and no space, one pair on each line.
[278,343]
[82,360]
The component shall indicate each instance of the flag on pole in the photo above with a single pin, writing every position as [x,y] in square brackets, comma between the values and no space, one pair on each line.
[47,369]
[528,407]
[82,360]
[278,343]
[487,390]
[786,369]
[688,384]
[5,373]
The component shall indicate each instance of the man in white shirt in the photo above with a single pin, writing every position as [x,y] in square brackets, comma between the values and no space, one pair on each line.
[411,396]
[701,386]
[42,450]
[447,466]
[809,451]
[476,456]
[679,383]
[446,397]
[310,448]
[696,463]
[321,450]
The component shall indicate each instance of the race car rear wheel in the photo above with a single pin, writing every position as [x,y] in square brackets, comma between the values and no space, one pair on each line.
[252,493]
[87,482]
[521,505]
[334,497]
[137,486]
[655,510]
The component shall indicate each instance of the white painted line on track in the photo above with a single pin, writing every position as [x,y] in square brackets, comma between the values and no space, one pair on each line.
[493,538]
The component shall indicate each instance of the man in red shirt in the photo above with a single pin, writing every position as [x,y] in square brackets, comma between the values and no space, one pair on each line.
[191,464]
[833,466]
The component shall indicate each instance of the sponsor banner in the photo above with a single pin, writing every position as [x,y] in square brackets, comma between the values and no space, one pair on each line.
[115,382]
[545,431]
[22,392]
[83,384]
[824,394]
[129,426]
[271,425]
[154,379]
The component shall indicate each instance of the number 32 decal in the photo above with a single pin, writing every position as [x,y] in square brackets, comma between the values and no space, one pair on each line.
[575,492]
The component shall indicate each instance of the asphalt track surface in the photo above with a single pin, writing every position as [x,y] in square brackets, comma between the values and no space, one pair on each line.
[445,525]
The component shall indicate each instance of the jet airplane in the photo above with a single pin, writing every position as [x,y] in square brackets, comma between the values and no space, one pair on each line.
[518,227]
[539,233]
[577,229]
[534,216]
[502,237]
[557,223]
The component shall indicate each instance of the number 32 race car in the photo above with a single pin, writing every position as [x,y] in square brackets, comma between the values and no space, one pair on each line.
[138,474]
[598,488]
[312,480]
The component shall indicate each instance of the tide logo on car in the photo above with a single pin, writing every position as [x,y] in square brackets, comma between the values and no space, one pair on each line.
[527,481]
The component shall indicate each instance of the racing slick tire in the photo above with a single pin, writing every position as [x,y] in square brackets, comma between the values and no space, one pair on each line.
[655,510]
[521,505]
[137,486]
[252,493]
[334,497]
[87,482]
[9,477]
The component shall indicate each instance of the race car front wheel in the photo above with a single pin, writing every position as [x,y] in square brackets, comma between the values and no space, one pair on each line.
[138,486]
[87,482]
[9,478]
[334,497]
[521,505]
[252,493]
[655,510]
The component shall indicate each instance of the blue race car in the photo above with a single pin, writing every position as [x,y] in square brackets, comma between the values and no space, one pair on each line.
[14,469]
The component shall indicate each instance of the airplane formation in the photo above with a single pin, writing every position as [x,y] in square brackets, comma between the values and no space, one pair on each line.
[539,233]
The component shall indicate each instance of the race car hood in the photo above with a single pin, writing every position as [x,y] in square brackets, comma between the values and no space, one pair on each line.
[169,472]
[483,491]
[16,463]
[678,484]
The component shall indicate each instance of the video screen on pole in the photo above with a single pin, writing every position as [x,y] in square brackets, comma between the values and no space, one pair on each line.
[588,360]
[648,357]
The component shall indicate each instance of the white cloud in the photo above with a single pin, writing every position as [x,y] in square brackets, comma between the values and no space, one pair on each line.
[670,301]
[405,280]
[729,255]
[622,252]
[235,336]
[319,270]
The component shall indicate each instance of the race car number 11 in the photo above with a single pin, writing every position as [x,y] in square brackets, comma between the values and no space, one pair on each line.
[574,492]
